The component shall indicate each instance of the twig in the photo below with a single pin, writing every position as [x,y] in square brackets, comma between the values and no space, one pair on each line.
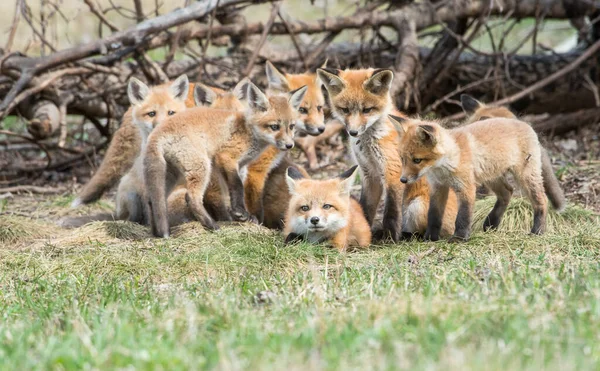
[294,40]
[263,38]
[32,189]
[94,9]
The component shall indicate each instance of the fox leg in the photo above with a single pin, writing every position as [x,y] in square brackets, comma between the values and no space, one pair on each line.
[437,205]
[216,197]
[308,145]
[236,195]
[370,195]
[503,192]
[253,190]
[392,215]
[466,201]
[340,240]
[534,188]
[196,182]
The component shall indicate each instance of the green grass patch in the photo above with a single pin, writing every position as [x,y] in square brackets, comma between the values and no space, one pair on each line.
[107,296]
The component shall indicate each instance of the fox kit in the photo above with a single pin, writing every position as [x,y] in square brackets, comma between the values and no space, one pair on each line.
[479,111]
[480,153]
[124,148]
[322,210]
[311,120]
[149,107]
[185,146]
[361,100]
[131,188]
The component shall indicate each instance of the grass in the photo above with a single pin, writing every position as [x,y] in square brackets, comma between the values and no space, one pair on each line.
[108,296]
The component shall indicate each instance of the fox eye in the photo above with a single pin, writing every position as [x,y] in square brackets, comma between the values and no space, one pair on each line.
[304,208]
[292,126]
[367,109]
[484,117]
[274,127]
[151,114]
[345,110]
[171,113]
[417,160]
[319,108]
[303,110]
[327,207]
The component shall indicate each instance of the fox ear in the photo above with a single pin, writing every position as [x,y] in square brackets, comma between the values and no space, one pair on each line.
[137,91]
[330,79]
[347,180]
[240,90]
[469,104]
[257,100]
[398,123]
[291,175]
[297,96]
[203,95]
[324,65]
[426,134]
[180,87]
[276,79]
[380,82]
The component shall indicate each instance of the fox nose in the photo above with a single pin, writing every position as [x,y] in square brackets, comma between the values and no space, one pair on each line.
[289,145]
[315,220]
[353,132]
[404,180]
[321,129]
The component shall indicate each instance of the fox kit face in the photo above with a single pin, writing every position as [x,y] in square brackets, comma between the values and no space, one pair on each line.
[273,119]
[220,99]
[478,111]
[311,115]
[152,106]
[319,206]
[359,98]
[419,149]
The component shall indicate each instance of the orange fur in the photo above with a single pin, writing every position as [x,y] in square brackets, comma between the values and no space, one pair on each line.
[323,211]
[479,153]
[186,146]
[361,100]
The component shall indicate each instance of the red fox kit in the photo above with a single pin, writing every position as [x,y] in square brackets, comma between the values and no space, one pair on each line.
[131,191]
[479,153]
[479,111]
[125,145]
[322,210]
[361,100]
[184,147]
[310,120]
[145,112]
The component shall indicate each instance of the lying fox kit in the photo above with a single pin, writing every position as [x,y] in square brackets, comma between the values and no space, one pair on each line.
[149,107]
[184,147]
[361,99]
[322,210]
[479,153]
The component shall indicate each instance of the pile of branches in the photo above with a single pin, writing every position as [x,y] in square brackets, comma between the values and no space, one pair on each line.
[89,80]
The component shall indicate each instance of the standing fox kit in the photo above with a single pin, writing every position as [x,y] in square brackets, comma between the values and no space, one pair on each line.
[361,100]
[479,111]
[149,107]
[322,210]
[311,120]
[184,147]
[479,153]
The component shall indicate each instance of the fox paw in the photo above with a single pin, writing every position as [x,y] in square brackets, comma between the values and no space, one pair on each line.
[240,216]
